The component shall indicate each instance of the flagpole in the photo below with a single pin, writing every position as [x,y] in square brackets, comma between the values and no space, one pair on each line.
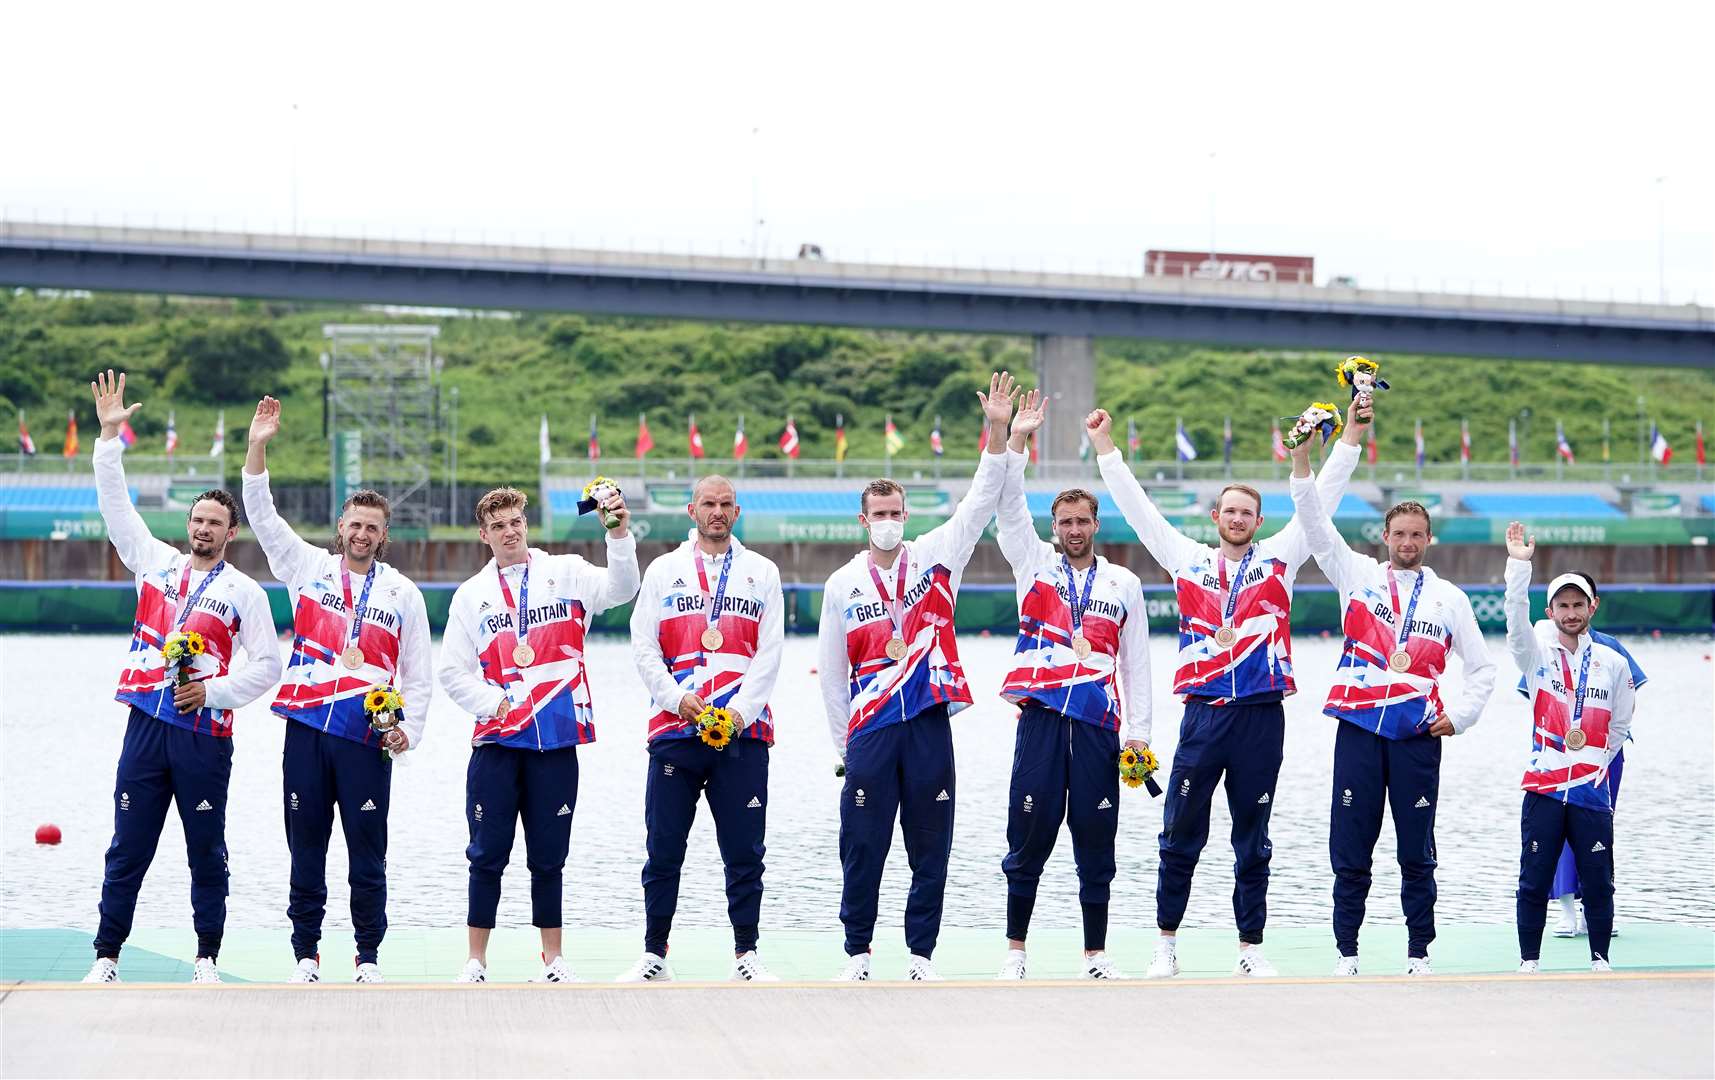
[887,447]
[747,452]
[937,456]
[1607,462]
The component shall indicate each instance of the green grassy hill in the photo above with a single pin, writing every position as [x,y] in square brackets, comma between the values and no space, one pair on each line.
[196,357]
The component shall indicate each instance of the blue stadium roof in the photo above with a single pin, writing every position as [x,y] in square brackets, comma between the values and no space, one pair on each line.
[1537,505]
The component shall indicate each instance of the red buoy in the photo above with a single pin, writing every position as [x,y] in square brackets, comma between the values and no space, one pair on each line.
[47,834]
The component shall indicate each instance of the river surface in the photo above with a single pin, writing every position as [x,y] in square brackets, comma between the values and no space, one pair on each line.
[60,734]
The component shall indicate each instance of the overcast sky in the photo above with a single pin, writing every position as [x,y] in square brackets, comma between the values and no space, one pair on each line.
[1514,144]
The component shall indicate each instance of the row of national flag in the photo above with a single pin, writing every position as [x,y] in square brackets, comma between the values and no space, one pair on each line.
[1185,448]
[892,440]
[27,445]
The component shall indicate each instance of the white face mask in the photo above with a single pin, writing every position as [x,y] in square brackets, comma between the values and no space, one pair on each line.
[886,534]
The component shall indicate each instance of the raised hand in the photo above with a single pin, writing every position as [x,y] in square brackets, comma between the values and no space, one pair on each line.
[1101,428]
[266,423]
[997,403]
[110,407]
[1517,546]
[1031,412]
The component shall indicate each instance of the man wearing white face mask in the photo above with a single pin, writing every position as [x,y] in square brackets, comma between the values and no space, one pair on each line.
[891,678]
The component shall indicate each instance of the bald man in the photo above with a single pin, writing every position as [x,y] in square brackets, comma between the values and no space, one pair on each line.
[708,629]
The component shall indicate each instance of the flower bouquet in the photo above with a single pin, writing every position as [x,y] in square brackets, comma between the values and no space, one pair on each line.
[180,651]
[1137,768]
[597,492]
[1323,416]
[385,708]
[716,727]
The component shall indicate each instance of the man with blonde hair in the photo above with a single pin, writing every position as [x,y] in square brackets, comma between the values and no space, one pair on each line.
[1234,672]
[513,658]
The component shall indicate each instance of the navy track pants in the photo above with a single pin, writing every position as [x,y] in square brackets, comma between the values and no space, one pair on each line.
[903,770]
[735,783]
[504,785]
[1062,769]
[1547,824]
[320,772]
[1405,774]
[158,765]
[1566,872]
[1243,743]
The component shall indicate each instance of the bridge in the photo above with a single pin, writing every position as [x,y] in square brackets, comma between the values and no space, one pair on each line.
[1064,313]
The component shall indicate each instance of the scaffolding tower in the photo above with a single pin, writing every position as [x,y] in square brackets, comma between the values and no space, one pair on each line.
[381,386]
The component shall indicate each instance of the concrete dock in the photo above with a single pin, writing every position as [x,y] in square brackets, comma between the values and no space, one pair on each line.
[1645,1024]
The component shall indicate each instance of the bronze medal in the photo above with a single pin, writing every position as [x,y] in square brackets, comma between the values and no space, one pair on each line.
[1575,739]
[352,658]
[896,649]
[523,655]
[1400,661]
[1225,636]
[712,638]
[1081,646]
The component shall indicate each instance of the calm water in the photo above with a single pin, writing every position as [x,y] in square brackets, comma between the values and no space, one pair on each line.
[60,733]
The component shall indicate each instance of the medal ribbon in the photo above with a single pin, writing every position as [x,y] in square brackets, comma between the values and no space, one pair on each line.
[362,600]
[522,622]
[1404,624]
[184,587]
[1078,606]
[713,605]
[1238,582]
[896,604]
[1578,695]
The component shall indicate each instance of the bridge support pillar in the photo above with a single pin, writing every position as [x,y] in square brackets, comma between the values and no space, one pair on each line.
[1066,372]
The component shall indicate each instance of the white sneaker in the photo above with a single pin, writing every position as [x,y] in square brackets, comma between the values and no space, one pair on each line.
[1098,966]
[205,971]
[1418,965]
[856,969]
[1254,964]
[556,971]
[1569,917]
[1529,967]
[1165,964]
[309,970]
[922,969]
[649,968]
[368,973]
[104,970]
[748,967]
[1600,966]
[473,972]
[1346,965]
[1013,967]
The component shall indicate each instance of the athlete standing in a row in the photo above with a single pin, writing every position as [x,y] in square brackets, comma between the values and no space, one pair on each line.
[178,739]
[1080,670]
[891,680]
[358,624]
[707,633]
[1401,623]
[513,657]
[1235,670]
[1581,699]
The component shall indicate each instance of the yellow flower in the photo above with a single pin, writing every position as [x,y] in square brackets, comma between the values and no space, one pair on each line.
[597,482]
[716,727]
[1131,781]
[194,643]
[376,700]
[1128,759]
[1350,367]
[1150,763]
[394,701]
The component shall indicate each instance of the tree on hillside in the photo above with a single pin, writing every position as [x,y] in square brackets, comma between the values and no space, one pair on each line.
[226,362]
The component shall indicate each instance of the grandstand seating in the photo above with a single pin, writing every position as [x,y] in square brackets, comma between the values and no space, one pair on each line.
[58,498]
[1529,505]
